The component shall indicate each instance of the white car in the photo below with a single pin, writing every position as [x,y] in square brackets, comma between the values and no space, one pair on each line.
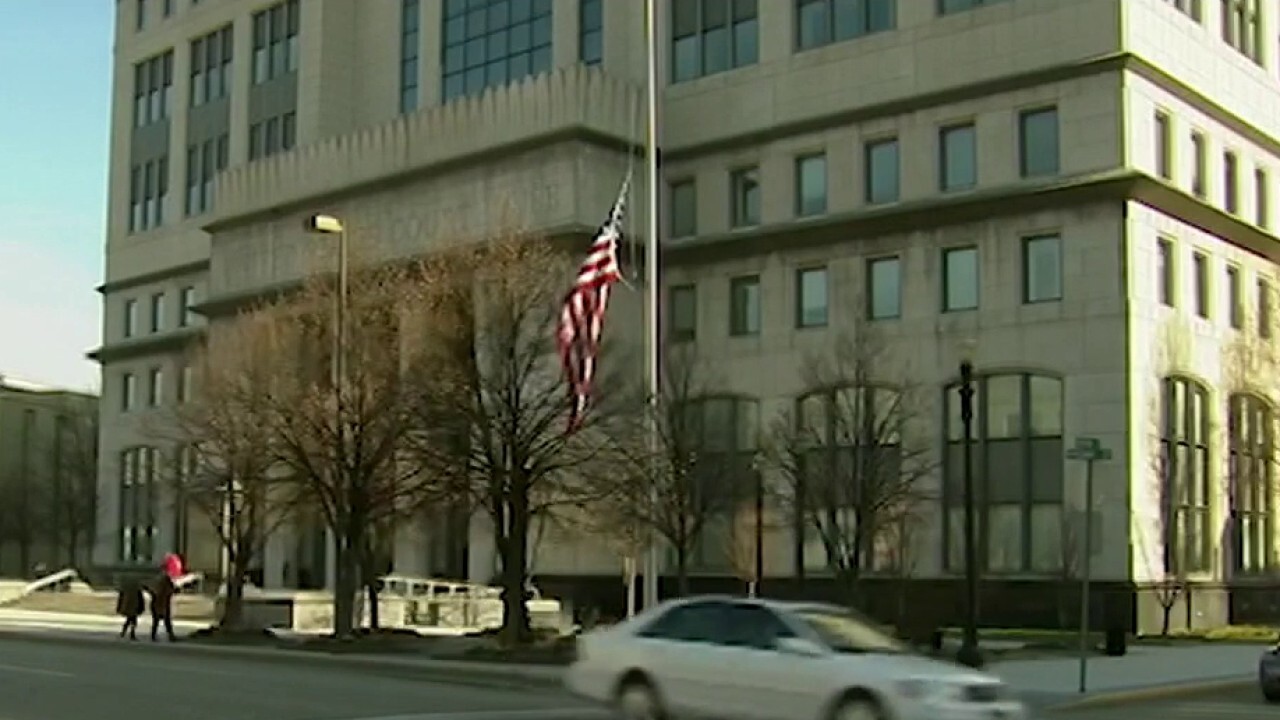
[726,657]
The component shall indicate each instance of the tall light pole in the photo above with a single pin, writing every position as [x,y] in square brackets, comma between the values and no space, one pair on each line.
[652,561]
[969,653]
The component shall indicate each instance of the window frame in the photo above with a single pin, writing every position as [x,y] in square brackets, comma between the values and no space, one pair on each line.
[741,213]
[872,264]
[947,254]
[674,294]
[739,317]
[831,33]
[1025,164]
[869,151]
[801,273]
[944,165]
[819,208]
[745,21]
[1028,244]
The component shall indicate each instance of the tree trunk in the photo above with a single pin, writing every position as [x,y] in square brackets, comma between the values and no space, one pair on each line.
[73,547]
[515,615]
[344,590]
[233,604]
[682,569]
[371,590]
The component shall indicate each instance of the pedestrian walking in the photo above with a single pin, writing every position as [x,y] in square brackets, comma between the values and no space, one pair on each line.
[162,590]
[129,605]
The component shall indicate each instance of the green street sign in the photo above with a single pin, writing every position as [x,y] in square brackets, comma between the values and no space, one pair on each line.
[1087,448]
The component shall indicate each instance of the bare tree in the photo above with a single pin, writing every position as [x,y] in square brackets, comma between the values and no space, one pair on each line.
[1070,547]
[851,452]
[491,404]
[898,547]
[223,465]
[73,467]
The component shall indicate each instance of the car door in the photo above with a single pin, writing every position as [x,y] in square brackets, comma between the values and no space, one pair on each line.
[766,683]
[679,650]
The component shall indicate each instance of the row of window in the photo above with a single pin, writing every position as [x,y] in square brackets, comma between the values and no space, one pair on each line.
[186,312]
[155,389]
[883,296]
[1038,155]
[275,41]
[141,469]
[148,192]
[204,161]
[1165,135]
[273,135]
[1241,23]
[211,66]
[153,89]
[490,43]
[1167,279]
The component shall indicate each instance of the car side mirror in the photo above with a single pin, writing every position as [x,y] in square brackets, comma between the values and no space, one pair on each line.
[800,646]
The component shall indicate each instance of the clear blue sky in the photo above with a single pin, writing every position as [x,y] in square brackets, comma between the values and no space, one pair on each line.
[55,89]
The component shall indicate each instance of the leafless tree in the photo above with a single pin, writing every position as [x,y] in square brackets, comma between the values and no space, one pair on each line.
[852,452]
[491,403]
[73,482]
[20,499]
[1070,547]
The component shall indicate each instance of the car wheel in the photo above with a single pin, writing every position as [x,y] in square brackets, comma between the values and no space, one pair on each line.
[637,700]
[858,708]
[1271,696]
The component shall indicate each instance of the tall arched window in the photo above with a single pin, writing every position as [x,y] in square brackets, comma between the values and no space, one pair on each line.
[726,432]
[1017,470]
[1186,478]
[1251,437]
[139,494]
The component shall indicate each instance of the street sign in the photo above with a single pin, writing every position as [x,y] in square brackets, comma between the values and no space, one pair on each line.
[1088,450]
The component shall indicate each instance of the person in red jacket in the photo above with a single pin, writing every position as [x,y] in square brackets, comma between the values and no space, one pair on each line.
[162,591]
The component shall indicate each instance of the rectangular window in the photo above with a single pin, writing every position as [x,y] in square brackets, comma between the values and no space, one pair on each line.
[1041,268]
[1200,164]
[275,41]
[1261,198]
[683,313]
[410,19]
[490,43]
[187,314]
[684,209]
[744,298]
[1264,309]
[882,171]
[811,297]
[155,387]
[140,15]
[184,384]
[884,278]
[1235,307]
[822,22]
[1200,268]
[128,392]
[712,36]
[744,200]
[960,279]
[130,318]
[210,66]
[1230,183]
[591,31]
[1241,27]
[157,312]
[958,158]
[1190,7]
[168,8]
[152,89]
[946,7]
[811,185]
[1165,272]
[1038,142]
[1164,145]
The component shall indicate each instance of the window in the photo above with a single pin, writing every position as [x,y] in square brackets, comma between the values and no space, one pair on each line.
[1165,272]
[1018,459]
[148,192]
[128,392]
[811,298]
[960,279]
[684,209]
[683,313]
[1187,476]
[811,185]
[723,432]
[153,89]
[959,157]
[410,24]
[130,317]
[1164,145]
[1251,437]
[1199,167]
[273,135]
[139,501]
[882,182]
[1261,198]
[211,66]
[1038,142]
[157,312]
[1235,308]
[275,41]
[1200,265]
[884,277]
[744,202]
[712,36]
[1190,7]
[822,22]
[490,43]
[168,8]
[744,299]
[205,160]
[155,387]
[1230,183]
[591,31]
[1264,309]
[184,384]
[1241,28]
[187,313]
[1041,268]
[140,15]
[946,7]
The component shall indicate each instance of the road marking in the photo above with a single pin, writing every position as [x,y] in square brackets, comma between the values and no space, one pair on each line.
[573,713]
[34,671]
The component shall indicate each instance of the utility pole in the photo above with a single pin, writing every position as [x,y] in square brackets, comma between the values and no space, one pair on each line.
[1089,450]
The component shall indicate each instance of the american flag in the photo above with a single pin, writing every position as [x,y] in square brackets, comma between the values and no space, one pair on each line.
[582,316]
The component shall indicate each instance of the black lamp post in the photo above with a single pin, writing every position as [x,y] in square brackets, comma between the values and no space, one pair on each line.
[969,653]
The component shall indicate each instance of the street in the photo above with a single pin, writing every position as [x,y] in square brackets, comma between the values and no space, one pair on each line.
[57,681]
[1245,703]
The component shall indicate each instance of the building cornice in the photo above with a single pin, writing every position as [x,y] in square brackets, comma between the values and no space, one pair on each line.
[113,286]
[149,345]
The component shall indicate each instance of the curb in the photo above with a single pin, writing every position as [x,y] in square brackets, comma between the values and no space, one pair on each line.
[1159,692]
[455,672]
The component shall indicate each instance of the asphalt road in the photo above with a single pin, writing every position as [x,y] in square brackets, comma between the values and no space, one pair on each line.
[56,681]
[1245,703]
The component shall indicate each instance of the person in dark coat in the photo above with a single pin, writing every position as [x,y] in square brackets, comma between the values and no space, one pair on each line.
[162,591]
[129,605]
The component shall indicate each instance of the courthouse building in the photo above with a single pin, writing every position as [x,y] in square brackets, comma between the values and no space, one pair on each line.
[1079,193]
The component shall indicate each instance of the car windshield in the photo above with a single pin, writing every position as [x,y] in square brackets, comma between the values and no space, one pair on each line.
[848,632]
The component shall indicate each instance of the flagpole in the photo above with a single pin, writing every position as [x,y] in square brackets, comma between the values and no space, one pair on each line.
[652,288]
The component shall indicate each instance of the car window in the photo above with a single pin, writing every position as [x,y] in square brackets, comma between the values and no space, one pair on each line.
[697,622]
[753,626]
[848,632]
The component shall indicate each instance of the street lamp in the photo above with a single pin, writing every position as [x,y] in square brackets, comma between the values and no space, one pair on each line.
[969,653]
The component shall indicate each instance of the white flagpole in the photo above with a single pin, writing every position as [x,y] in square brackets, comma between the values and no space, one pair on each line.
[652,287]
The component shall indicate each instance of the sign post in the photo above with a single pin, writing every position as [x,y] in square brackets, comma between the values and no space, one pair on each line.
[1089,450]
